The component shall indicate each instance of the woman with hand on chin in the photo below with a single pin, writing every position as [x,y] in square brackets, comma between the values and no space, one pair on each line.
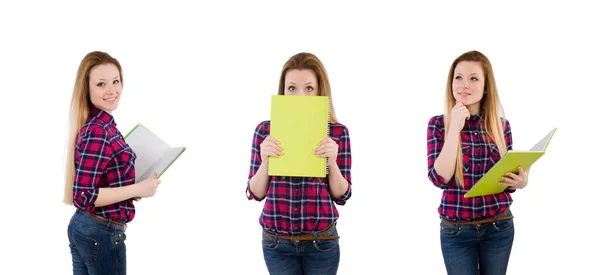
[299,216]
[100,173]
[462,145]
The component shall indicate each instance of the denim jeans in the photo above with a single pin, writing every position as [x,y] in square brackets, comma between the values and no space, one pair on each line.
[471,249]
[96,247]
[285,257]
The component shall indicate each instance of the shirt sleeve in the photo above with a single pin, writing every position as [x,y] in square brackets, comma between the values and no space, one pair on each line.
[435,142]
[255,160]
[93,152]
[344,162]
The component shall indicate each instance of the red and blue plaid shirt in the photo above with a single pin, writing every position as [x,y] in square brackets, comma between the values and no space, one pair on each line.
[300,205]
[102,159]
[480,153]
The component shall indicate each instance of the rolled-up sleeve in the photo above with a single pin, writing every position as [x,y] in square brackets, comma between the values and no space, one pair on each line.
[344,162]
[435,142]
[92,154]
[255,160]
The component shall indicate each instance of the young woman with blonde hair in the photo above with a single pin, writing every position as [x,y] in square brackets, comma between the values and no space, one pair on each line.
[299,216]
[462,145]
[100,172]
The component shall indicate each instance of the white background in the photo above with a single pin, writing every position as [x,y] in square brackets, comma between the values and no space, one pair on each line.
[201,76]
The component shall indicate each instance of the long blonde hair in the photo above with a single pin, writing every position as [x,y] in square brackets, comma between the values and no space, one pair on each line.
[80,109]
[490,107]
[309,61]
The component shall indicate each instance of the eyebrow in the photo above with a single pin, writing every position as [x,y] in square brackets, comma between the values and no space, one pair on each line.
[294,83]
[470,74]
[105,79]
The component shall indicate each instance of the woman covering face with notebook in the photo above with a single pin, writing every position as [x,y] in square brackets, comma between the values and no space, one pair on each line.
[299,216]
[462,145]
[100,172]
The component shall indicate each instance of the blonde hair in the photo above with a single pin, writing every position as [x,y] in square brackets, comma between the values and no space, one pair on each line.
[490,107]
[309,61]
[80,109]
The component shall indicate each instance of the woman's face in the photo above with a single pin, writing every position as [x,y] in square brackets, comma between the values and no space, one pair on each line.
[468,83]
[301,82]
[105,87]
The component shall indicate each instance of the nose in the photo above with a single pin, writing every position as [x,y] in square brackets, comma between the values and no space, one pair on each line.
[112,89]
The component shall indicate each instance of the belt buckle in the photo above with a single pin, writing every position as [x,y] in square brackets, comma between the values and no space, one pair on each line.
[295,239]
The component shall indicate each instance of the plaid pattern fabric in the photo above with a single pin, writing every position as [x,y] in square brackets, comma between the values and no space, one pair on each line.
[102,159]
[480,153]
[300,205]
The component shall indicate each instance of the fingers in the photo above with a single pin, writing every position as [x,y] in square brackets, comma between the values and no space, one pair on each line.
[326,141]
[271,139]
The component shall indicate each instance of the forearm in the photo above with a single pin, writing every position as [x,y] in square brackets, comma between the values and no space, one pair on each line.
[445,164]
[108,196]
[259,183]
[338,185]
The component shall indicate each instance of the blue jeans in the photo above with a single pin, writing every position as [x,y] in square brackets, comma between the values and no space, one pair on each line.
[471,249]
[285,257]
[96,247]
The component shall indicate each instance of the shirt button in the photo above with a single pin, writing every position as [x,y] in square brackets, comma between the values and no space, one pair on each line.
[475,133]
[82,193]
[295,209]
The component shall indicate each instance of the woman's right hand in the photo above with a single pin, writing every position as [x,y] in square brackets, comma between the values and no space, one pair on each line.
[147,188]
[460,114]
[269,147]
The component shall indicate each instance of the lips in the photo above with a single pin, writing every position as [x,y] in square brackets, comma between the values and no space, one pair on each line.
[110,99]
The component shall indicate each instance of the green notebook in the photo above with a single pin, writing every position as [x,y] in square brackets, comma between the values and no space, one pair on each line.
[153,154]
[490,182]
[299,123]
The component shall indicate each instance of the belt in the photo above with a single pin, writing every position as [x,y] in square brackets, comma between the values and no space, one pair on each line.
[479,222]
[103,219]
[307,237]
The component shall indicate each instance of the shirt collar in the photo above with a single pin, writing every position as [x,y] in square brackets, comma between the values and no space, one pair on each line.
[102,115]
[476,118]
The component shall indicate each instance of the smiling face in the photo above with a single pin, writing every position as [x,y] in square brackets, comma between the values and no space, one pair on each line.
[301,82]
[468,84]
[105,87]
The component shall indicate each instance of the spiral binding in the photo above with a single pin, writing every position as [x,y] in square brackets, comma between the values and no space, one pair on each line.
[328,120]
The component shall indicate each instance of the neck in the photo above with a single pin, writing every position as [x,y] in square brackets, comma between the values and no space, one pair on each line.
[473,108]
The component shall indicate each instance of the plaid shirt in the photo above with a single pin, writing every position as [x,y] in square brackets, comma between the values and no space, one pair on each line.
[300,205]
[102,159]
[479,155]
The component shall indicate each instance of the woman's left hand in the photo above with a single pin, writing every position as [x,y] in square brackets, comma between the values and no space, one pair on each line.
[327,149]
[516,181]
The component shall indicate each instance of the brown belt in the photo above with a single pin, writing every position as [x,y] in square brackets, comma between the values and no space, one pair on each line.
[103,219]
[482,221]
[307,237]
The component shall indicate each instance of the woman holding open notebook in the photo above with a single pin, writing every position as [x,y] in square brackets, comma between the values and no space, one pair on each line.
[299,216]
[462,145]
[100,172]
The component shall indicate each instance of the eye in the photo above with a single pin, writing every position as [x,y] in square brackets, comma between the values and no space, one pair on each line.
[101,84]
[474,79]
[309,89]
[291,88]
[458,77]
[116,81]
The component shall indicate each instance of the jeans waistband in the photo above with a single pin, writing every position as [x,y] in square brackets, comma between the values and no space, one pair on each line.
[105,222]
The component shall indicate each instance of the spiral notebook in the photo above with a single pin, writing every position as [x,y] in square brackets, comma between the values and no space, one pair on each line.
[299,123]
[510,162]
[153,154]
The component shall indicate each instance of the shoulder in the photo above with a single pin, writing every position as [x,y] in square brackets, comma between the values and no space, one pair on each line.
[505,123]
[437,121]
[338,130]
[263,128]
[93,129]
